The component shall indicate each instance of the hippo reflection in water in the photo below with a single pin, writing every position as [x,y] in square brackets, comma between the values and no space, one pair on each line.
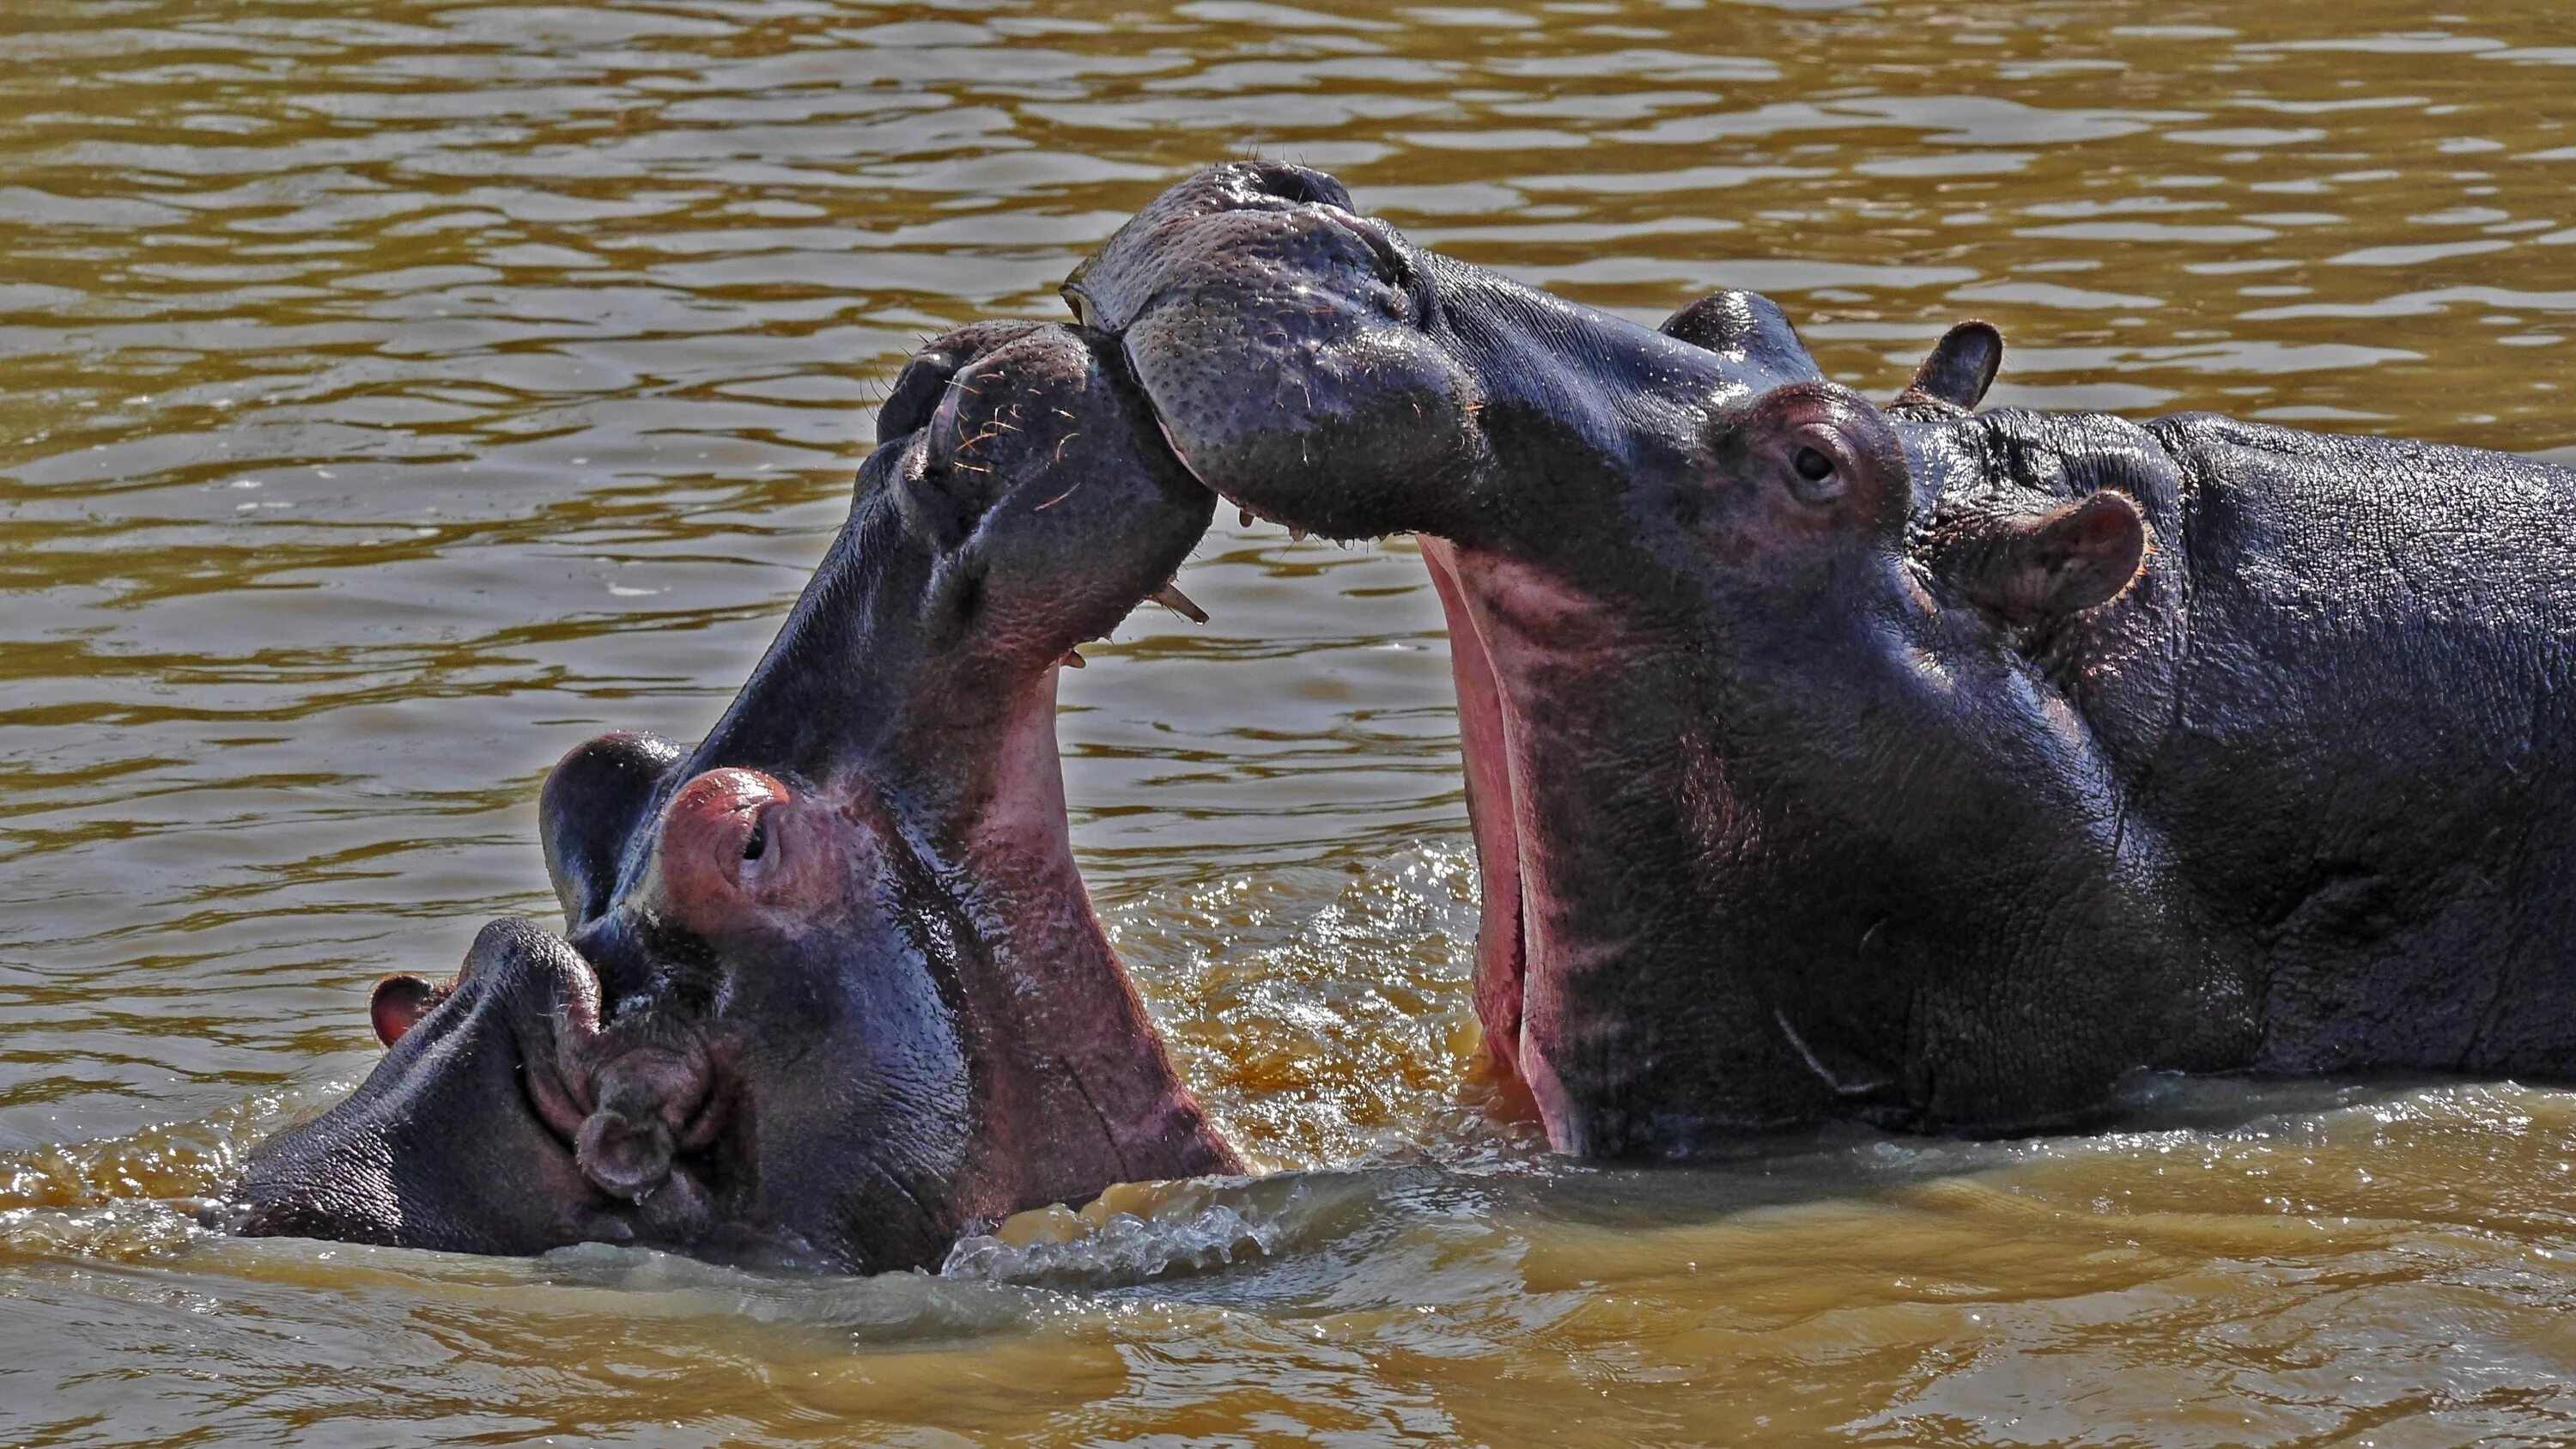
[1927,768]
[832,989]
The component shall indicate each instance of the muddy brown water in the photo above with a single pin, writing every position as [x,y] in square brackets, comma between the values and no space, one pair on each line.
[393,393]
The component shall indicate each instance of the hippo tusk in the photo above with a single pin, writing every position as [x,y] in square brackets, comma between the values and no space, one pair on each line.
[1171,597]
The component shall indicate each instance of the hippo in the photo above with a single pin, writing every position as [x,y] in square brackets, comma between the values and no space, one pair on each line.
[830,989]
[1917,766]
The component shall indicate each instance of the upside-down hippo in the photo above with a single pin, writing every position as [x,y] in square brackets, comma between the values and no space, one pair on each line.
[1922,766]
[832,988]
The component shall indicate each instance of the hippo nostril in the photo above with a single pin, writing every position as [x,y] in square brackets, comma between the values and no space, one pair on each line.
[1384,258]
[1297,184]
[916,394]
[647,1098]
[1080,301]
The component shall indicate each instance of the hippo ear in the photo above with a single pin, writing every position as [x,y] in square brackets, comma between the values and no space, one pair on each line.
[591,804]
[2027,568]
[1745,325]
[397,1005]
[1955,375]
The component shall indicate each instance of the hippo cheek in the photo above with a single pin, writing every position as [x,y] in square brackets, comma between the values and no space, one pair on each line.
[855,1125]
[814,1107]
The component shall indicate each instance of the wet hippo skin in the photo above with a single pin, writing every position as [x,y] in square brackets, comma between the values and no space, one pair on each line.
[1918,765]
[831,988]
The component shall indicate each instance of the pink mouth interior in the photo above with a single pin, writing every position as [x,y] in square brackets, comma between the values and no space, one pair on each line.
[1502,952]
[1493,816]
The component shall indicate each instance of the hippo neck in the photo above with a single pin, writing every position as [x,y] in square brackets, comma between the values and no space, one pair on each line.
[1074,1078]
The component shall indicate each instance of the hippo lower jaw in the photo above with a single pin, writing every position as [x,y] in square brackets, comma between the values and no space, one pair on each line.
[1517,635]
[1493,817]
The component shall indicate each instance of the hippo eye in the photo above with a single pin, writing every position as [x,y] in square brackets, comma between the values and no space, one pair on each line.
[758,845]
[1817,478]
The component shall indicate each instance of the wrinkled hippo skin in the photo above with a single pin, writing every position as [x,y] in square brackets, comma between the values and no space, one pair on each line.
[831,989]
[1916,765]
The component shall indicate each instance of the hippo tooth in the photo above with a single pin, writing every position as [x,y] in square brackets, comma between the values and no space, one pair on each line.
[1246,515]
[1171,597]
[1073,659]
[1296,535]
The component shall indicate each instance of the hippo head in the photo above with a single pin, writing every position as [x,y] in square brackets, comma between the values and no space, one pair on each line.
[1742,771]
[831,988]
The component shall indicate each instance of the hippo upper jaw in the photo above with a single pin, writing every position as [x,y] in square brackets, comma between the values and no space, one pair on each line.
[1313,366]
[852,993]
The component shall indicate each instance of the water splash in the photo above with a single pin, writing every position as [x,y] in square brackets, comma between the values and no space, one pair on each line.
[1333,1034]
[1134,1232]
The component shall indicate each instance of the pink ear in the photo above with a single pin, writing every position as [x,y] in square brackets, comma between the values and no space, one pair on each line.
[2031,567]
[398,1005]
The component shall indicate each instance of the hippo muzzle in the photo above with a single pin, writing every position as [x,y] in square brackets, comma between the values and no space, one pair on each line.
[507,1083]
[1314,366]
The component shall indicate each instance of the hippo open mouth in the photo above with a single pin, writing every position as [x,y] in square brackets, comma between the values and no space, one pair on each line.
[1684,621]
[831,987]
[1311,366]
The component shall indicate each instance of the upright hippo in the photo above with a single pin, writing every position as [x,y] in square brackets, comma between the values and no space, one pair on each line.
[1929,768]
[832,988]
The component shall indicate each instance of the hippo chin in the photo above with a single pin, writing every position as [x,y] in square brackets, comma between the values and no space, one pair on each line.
[832,989]
[1933,768]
